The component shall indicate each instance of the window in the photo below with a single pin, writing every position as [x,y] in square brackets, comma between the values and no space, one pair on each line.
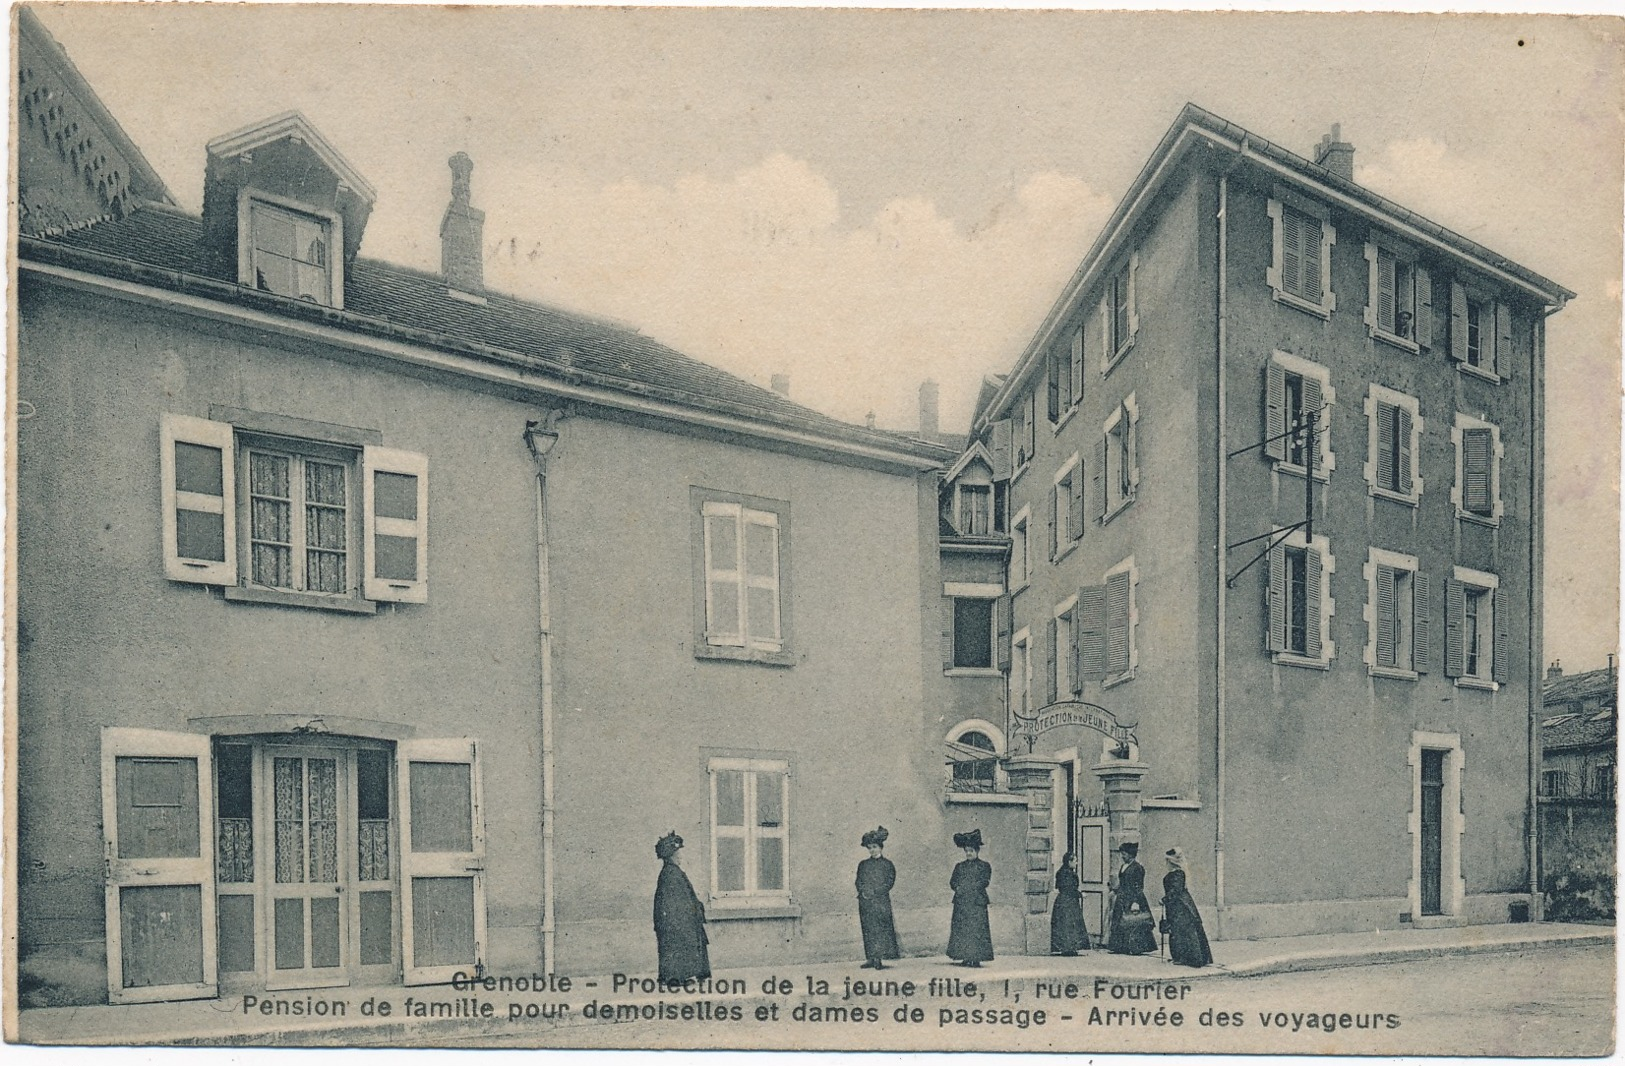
[1064,677]
[1026,431]
[1018,550]
[975,510]
[968,635]
[1066,508]
[1105,620]
[1397,615]
[1295,389]
[1119,312]
[1300,271]
[1395,427]
[288,252]
[1602,782]
[1399,302]
[741,606]
[972,757]
[1475,637]
[1117,467]
[318,514]
[1300,604]
[1021,673]
[1480,332]
[1477,493]
[1065,375]
[750,819]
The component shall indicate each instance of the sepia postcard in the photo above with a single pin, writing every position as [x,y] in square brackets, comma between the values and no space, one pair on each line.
[834,529]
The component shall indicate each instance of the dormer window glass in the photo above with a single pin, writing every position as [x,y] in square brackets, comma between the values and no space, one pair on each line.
[289,253]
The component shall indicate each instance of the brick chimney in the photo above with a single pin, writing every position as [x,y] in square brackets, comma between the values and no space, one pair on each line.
[1336,154]
[462,233]
[928,408]
[1554,670]
[781,385]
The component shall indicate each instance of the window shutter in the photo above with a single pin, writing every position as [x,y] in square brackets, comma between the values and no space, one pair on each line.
[1458,322]
[1101,485]
[1385,290]
[949,616]
[1074,520]
[1421,619]
[1030,424]
[1089,619]
[1052,629]
[1054,386]
[1477,453]
[1077,365]
[1499,666]
[1001,611]
[1107,347]
[1117,623]
[1373,290]
[395,525]
[198,478]
[1311,594]
[1422,322]
[1131,447]
[1054,521]
[1276,637]
[1311,409]
[1384,608]
[1309,243]
[999,437]
[1291,256]
[1455,610]
[1133,299]
[724,579]
[1503,339]
[1274,411]
[1074,667]
[1387,460]
[1402,428]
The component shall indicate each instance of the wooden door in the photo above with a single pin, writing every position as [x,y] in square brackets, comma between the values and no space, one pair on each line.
[1093,860]
[157,825]
[307,940]
[1432,829]
[442,860]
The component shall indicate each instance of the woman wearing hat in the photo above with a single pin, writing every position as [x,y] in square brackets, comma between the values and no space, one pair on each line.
[876,876]
[1130,930]
[679,918]
[1067,933]
[970,940]
[1187,940]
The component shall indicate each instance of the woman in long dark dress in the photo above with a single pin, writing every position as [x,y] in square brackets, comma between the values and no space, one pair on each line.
[970,939]
[1187,940]
[876,876]
[679,918]
[1130,930]
[1067,933]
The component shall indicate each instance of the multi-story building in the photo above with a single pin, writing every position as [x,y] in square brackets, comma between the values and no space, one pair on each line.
[372,625]
[1272,494]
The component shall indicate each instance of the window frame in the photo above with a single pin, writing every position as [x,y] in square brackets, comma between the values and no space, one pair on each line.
[1117,672]
[1409,296]
[1283,204]
[1321,546]
[1377,397]
[1288,365]
[331,222]
[1119,459]
[1020,550]
[955,591]
[1021,671]
[751,896]
[299,453]
[999,781]
[980,488]
[1417,620]
[1483,589]
[1458,490]
[1494,329]
[1067,679]
[748,649]
[1066,508]
[1119,312]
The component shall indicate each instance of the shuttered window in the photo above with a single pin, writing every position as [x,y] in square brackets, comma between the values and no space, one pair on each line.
[1105,623]
[1478,473]
[1476,639]
[1297,391]
[1395,431]
[741,569]
[1399,615]
[1297,602]
[1400,297]
[1480,332]
[1066,508]
[1300,254]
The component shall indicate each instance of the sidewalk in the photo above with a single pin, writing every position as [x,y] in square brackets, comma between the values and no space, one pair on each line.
[334,1017]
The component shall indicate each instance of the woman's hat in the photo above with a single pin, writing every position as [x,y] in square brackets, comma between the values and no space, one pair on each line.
[1130,848]
[972,839]
[875,837]
[667,845]
[1175,857]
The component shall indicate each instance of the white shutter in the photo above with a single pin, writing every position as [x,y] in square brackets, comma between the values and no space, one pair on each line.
[395,525]
[442,860]
[1276,593]
[1311,595]
[1477,457]
[1291,258]
[1373,287]
[1133,299]
[999,446]
[1077,365]
[724,575]
[1503,340]
[1387,642]
[1118,623]
[1458,322]
[1089,619]
[1312,402]
[1499,663]
[1275,416]
[1404,459]
[198,477]
[760,552]
[1455,610]
[1311,243]
[158,840]
[1422,322]
[1421,622]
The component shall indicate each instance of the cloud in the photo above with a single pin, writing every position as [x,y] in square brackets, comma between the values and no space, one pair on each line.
[760,272]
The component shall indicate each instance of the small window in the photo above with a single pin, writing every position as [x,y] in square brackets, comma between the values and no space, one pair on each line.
[1119,312]
[972,633]
[1026,430]
[1064,380]
[741,604]
[1477,493]
[973,760]
[289,253]
[1118,471]
[1399,305]
[1300,267]
[1297,391]
[1480,332]
[1066,508]
[750,829]
[1475,635]
[1392,469]
[1021,673]
[975,510]
[1065,677]
[1018,550]
[1300,605]
[1398,636]
[1104,624]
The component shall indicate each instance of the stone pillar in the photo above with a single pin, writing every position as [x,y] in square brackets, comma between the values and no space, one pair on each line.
[1120,779]
[1031,775]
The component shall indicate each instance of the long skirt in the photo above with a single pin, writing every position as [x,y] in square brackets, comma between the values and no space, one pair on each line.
[879,931]
[970,938]
[1066,929]
[1187,940]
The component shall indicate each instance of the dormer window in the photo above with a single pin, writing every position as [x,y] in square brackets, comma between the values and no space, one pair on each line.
[288,254]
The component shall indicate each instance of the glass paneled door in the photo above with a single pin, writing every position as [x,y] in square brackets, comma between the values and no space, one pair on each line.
[308,936]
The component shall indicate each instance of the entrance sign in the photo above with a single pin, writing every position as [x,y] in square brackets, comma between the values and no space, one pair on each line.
[1074,712]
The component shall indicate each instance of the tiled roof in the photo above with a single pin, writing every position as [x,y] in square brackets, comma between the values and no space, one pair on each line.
[1573,688]
[163,246]
[1594,717]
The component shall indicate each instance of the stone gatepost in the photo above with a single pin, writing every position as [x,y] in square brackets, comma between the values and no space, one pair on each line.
[1120,780]
[1031,775]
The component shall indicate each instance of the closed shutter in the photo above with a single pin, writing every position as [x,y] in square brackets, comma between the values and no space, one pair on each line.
[395,525]
[1291,256]
[1001,612]
[1031,424]
[1107,343]
[1312,412]
[1422,323]
[1387,458]
[198,482]
[1455,610]
[1074,521]
[1054,384]
[1387,638]
[1502,648]
[1458,322]
[1402,430]
[1077,365]
[1052,638]
[442,860]
[1477,455]
[1275,416]
[1311,612]
[1133,297]
[1421,620]
[1277,596]
[1502,363]
[1309,242]
[1074,662]
[1385,290]
[1089,619]
[1117,623]
[999,437]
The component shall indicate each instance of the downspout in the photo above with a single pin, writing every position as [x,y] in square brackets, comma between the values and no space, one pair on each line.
[1537,598]
[1220,601]
[540,437]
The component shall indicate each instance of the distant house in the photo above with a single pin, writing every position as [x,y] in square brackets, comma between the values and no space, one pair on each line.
[1579,734]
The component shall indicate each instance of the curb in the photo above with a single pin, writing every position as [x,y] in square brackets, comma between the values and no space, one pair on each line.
[1329,960]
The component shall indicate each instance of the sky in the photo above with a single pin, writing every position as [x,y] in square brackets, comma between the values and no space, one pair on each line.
[864,199]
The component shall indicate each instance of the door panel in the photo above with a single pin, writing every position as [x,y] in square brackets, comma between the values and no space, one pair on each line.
[442,860]
[1092,872]
[1432,829]
[157,812]
[307,879]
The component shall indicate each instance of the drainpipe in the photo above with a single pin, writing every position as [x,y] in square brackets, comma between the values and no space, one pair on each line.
[540,437]
[1537,597]
[1221,602]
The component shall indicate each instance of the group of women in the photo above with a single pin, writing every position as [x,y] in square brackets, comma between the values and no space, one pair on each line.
[679,918]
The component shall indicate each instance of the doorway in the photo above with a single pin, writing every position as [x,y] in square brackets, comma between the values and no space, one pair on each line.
[1432,830]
